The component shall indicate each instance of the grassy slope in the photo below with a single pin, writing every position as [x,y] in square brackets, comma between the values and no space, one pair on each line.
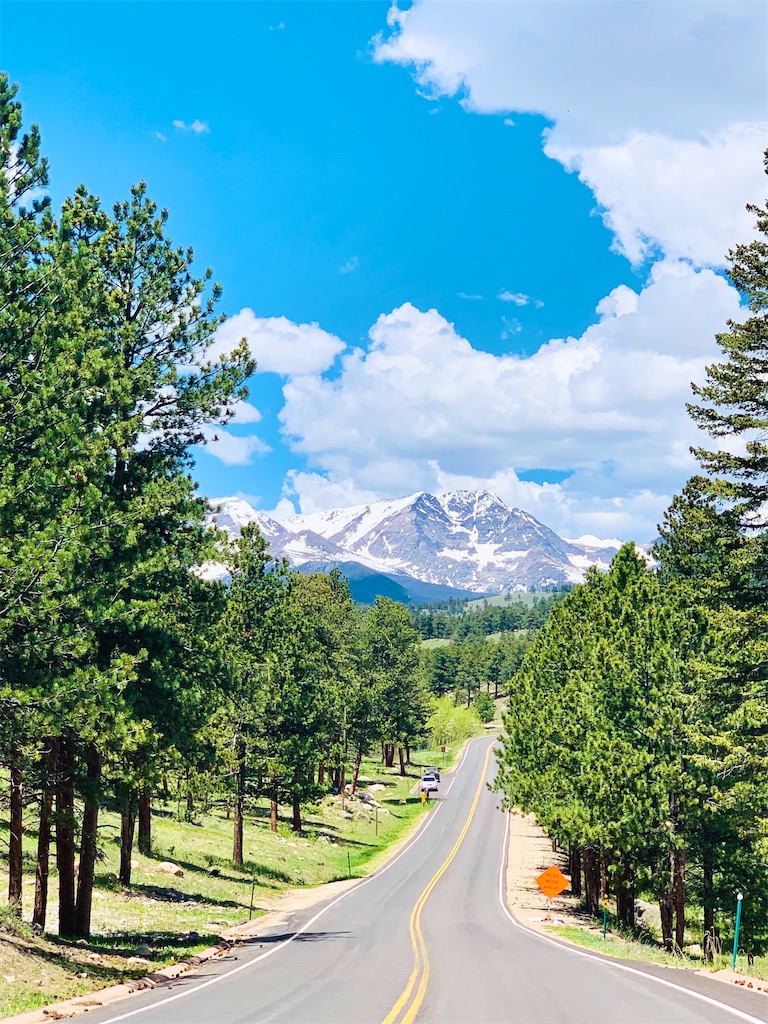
[177,917]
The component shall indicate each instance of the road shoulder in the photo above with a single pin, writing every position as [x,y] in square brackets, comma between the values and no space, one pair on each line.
[529,852]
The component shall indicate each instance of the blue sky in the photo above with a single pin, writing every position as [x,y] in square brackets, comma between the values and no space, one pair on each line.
[445,180]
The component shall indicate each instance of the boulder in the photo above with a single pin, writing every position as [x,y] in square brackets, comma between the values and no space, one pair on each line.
[167,868]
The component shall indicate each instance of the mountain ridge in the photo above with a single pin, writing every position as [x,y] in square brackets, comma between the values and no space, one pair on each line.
[464,542]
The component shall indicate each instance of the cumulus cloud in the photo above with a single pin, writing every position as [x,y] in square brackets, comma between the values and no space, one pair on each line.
[232,449]
[685,195]
[421,404]
[659,107]
[197,127]
[277,344]
[244,412]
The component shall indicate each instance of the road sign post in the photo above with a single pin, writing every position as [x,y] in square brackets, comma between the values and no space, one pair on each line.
[552,882]
[739,899]
[605,914]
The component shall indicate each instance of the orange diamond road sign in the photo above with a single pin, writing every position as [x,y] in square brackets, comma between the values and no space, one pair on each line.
[552,882]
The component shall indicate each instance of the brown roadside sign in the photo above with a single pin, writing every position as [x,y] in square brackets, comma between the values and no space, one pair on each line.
[552,882]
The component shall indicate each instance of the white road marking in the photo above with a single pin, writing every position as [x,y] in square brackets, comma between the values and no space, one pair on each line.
[740,1014]
[281,945]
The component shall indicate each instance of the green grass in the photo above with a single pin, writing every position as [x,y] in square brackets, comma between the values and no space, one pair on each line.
[178,917]
[647,948]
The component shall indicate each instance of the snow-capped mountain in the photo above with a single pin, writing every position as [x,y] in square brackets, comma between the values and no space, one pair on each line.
[428,544]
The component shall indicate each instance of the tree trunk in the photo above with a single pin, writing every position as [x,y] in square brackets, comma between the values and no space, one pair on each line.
[16,833]
[678,896]
[591,880]
[356,770]
[666,907]
[708,899]
[625,894]
[237,843]
[44,837]
[677,871]
[603,860]
[127,826]
[145,822]
[296,824]
[65,837]
[402,761]
[574,867]
[321,774]
[273,807]
[389,755]
[91,797]
[407,753]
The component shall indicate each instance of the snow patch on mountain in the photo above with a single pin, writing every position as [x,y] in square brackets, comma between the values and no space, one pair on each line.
[467,540]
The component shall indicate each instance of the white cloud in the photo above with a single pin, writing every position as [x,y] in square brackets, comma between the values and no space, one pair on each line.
[278,344]
[314,492]
[660,107]
[231,449]
[350,266]
[519,298]
[509,327]
[161,137]
[685,195]
[244,412]
[608,407]
[196,126]
[471,297]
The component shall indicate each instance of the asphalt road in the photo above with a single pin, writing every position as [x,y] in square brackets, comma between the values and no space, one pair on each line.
[427,939]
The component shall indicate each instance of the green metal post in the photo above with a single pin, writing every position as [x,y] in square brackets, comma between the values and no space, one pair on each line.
[739,898]
[605,916]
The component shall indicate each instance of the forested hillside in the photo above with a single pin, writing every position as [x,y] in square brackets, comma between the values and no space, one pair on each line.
[637,724]
[460,619]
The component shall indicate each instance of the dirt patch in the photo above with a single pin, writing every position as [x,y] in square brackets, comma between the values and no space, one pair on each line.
[529,852]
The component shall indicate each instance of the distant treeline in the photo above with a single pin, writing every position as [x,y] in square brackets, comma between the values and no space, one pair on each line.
[458,620]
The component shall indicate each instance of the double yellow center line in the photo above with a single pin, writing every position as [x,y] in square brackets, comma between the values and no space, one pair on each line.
[420,970]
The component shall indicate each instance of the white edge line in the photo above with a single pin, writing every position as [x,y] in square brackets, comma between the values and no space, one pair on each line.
[241,967]
[463,759]
[604,960]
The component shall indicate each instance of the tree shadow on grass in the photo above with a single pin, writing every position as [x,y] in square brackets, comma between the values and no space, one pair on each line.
[167,894]
[124,944]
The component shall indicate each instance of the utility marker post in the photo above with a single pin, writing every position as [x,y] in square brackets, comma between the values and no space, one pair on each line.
[605,914]
[739,898]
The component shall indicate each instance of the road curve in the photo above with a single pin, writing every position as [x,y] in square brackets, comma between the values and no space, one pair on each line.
[427,939]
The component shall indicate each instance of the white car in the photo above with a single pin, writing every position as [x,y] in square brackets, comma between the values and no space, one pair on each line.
[428,784]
